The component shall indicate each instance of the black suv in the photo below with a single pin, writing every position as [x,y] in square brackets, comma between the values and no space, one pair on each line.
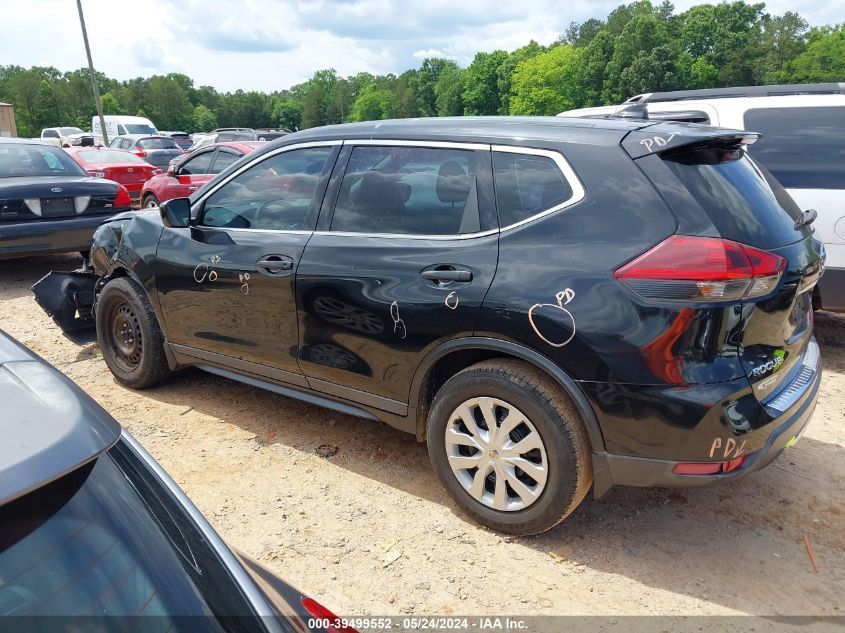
[552,304]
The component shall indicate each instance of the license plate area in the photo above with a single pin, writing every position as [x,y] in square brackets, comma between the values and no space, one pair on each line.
[57,207]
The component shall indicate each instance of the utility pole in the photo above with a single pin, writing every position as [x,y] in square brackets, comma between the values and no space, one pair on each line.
[93,75]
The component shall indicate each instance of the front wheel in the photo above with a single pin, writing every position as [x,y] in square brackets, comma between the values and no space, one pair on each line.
[509,446]
[129,336]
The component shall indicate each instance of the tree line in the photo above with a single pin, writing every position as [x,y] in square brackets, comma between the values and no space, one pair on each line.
[640,47]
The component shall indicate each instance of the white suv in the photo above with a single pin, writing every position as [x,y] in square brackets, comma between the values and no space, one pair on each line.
[802,144]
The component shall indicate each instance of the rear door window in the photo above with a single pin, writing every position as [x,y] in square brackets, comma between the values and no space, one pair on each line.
[803,147]
[224,160]
[408,190]
[527,185]
[199,164]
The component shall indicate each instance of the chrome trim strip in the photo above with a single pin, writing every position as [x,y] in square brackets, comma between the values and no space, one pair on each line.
[409,236]
[484,147]
[790,394]
[249,164]
[578,192]
[245,582]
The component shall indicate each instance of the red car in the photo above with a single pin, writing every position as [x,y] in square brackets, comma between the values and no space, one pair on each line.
[194,170]
[115,164]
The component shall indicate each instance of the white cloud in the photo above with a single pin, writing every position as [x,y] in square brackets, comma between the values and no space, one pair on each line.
[432,52]
[273,44]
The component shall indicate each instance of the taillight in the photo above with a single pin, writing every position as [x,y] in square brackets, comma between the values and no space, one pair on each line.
[688,268]
[319,612]
[122,199]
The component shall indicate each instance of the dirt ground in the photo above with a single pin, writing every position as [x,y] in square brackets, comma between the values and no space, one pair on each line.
[370,530]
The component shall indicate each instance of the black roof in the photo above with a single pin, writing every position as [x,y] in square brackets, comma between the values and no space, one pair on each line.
[49,426]
[473,129]
[741,91]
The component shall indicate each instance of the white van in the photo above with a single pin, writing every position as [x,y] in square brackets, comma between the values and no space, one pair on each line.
[117,125]
[802,144]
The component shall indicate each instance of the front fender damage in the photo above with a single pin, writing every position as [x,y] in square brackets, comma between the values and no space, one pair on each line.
[69,297]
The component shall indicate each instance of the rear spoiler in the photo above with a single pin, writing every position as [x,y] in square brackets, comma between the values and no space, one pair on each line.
[660,137]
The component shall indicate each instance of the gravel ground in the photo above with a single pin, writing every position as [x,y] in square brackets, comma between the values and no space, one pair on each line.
[369,530]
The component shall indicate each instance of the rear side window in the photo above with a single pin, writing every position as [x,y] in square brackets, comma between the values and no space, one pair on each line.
[199,164]
[527,185]
[224,160]
[408,190]
[803,147]
[744,201]
[157,143]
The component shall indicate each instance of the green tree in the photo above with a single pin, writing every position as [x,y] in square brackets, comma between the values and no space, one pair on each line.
[424,82]
[546,83]
[481,85]
[447,91]
[167,104]
[642,34]
[374,103]
[591,71]
[287,113]
[203,119]
[505,72]
[824,59]
[110,104]
[724,35]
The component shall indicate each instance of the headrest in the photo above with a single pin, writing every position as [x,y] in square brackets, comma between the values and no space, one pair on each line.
[453,184]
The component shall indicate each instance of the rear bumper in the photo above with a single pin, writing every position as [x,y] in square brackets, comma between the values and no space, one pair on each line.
[623,470]
[49,236]
[832,289]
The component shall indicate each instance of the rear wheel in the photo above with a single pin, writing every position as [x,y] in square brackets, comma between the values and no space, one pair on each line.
[129,336]
[150,200]
[509,446]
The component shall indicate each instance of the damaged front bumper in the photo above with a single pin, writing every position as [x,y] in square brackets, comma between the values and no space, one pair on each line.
[69,297]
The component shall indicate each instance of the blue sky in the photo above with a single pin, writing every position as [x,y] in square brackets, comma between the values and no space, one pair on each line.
[272,44]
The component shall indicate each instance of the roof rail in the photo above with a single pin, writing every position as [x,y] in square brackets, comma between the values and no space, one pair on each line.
[742,91]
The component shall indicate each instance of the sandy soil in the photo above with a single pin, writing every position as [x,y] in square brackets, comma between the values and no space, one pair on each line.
[371,531]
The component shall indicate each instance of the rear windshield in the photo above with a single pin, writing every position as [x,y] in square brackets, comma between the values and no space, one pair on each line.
[157,143]
[744,201]
[36,160]
[803,147]
[139,128]
[109,157]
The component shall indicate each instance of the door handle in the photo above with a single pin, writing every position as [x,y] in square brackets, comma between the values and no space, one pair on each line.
[274,264]
[446,276]
[192,188]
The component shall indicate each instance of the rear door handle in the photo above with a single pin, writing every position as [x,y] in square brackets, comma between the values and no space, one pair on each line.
[274,264]
[447,276]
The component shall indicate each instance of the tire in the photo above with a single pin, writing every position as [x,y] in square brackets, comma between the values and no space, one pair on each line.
[129,335]
[150,200]
[562,454]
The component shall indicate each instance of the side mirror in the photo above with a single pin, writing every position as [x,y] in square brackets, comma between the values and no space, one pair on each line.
[171,170]
[176,213]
